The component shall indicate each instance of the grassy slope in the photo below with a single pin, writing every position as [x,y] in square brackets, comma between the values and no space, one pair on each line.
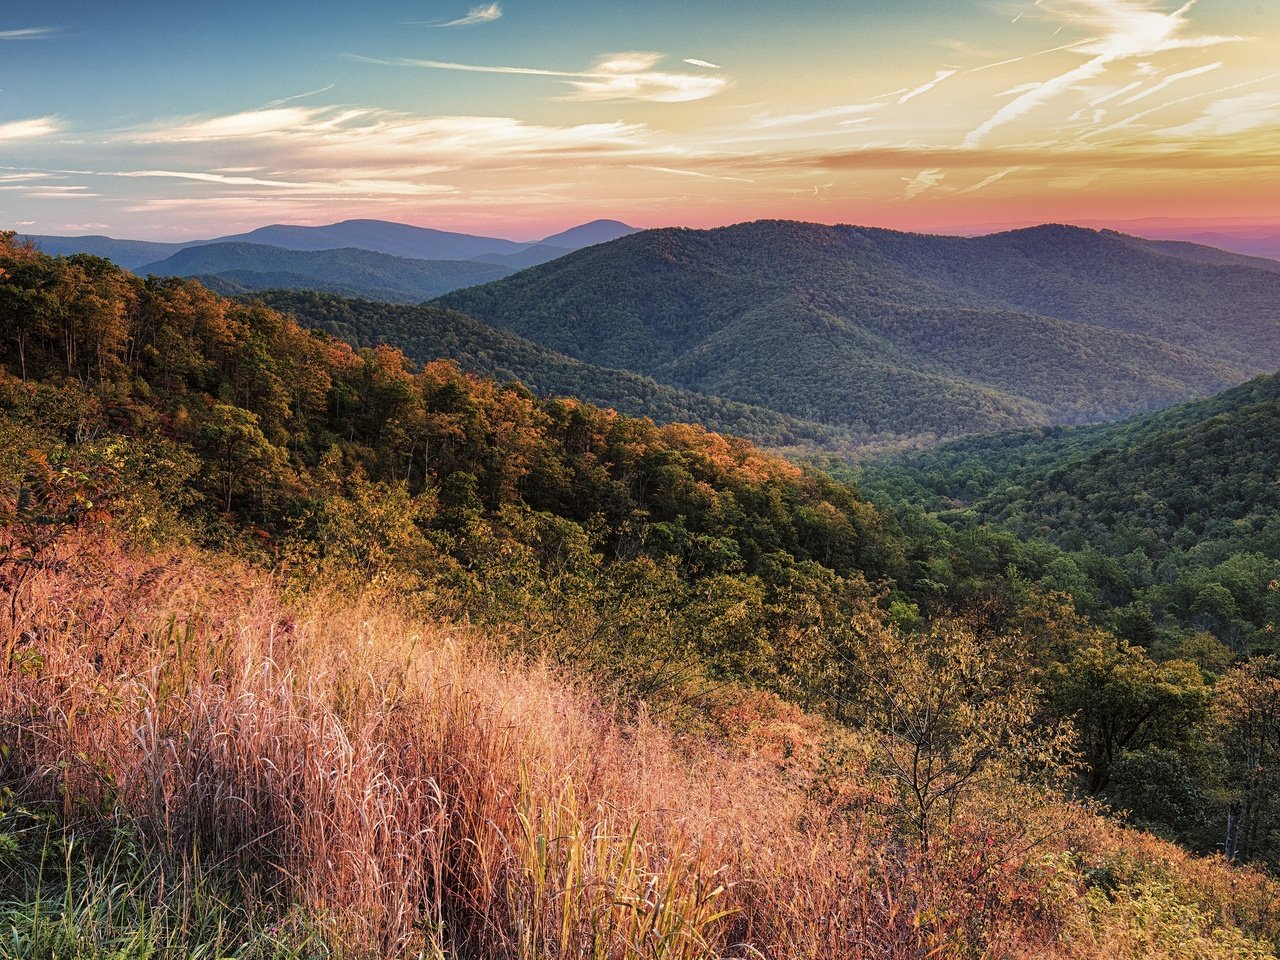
[241,774]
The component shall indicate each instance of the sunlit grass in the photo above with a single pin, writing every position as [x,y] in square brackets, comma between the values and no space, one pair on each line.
[201,767]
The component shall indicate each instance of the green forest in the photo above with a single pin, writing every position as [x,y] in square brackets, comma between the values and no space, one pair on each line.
[1031,645]
[901,337]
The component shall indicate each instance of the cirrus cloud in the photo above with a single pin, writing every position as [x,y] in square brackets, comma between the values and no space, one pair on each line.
[1129,29]
[487,13]
[29,129]
[1233,116]
[617,76]
[27,33]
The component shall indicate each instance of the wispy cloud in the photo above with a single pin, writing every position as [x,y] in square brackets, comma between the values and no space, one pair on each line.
[1133,119]
[1169,81]
[29,129]
[302,134]
[301,96]
[768,120]
[695,62]
[403,188]
[44,191]
[1129,28]
[1232,116]
[922,181]
[1028,56]
[926,87]
[618,76]
[690,173]
[988,181]
[28,33]
[487,13]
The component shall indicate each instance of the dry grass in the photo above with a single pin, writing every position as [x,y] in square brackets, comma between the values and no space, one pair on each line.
[410,792]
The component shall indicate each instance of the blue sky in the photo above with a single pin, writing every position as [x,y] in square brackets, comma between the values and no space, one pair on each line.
[149,119]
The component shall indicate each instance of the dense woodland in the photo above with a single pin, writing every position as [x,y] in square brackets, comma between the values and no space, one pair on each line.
[894,336]
[426,333]
[1169,521]
[663,565]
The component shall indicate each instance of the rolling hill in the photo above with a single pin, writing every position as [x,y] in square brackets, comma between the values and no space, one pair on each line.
[893,335]
[1203,471]
[380,276]
[427,333]
[1170,520]
[589,234]
[378,236]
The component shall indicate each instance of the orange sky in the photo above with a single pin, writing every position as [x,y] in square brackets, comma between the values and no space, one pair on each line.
[501,118]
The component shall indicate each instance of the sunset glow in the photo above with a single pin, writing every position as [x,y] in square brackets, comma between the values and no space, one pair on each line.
[520,118]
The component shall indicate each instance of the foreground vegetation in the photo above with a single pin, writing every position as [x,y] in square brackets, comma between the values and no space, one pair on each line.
[196,764]
[533,679]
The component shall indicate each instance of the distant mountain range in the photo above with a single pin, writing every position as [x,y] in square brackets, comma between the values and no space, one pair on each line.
[234,267]
[793,334]
[378,236]
[892,336]
[1255,237]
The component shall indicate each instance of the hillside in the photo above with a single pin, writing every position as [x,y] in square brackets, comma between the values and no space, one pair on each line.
[900,335]
[1256,243]
[379,236]
[588,234]
[529,257]
[1198,252]
[305,648]
[1185,503]
[380,276]
[129,254]
[428,333]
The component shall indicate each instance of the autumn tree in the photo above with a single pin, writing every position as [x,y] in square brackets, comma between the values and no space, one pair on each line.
[953,713]
[243,458]
[1246,713]
[1121,700]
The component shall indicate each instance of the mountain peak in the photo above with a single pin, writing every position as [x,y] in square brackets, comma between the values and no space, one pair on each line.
[588,234]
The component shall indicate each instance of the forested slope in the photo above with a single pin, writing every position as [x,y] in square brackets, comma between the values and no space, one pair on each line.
[1177,512]
[267,596]
[428,333]
[901,335]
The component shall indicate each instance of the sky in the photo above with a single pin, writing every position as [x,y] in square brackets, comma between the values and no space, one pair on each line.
[517,118]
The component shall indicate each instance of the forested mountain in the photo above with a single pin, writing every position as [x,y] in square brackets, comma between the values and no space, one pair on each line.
[1175,514]
[897,335]
[905,704]
[1198,252]
[129,254]
[427,333]
[530,256]
[380,236]
[349,271]
[1257,243]
[588,234]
